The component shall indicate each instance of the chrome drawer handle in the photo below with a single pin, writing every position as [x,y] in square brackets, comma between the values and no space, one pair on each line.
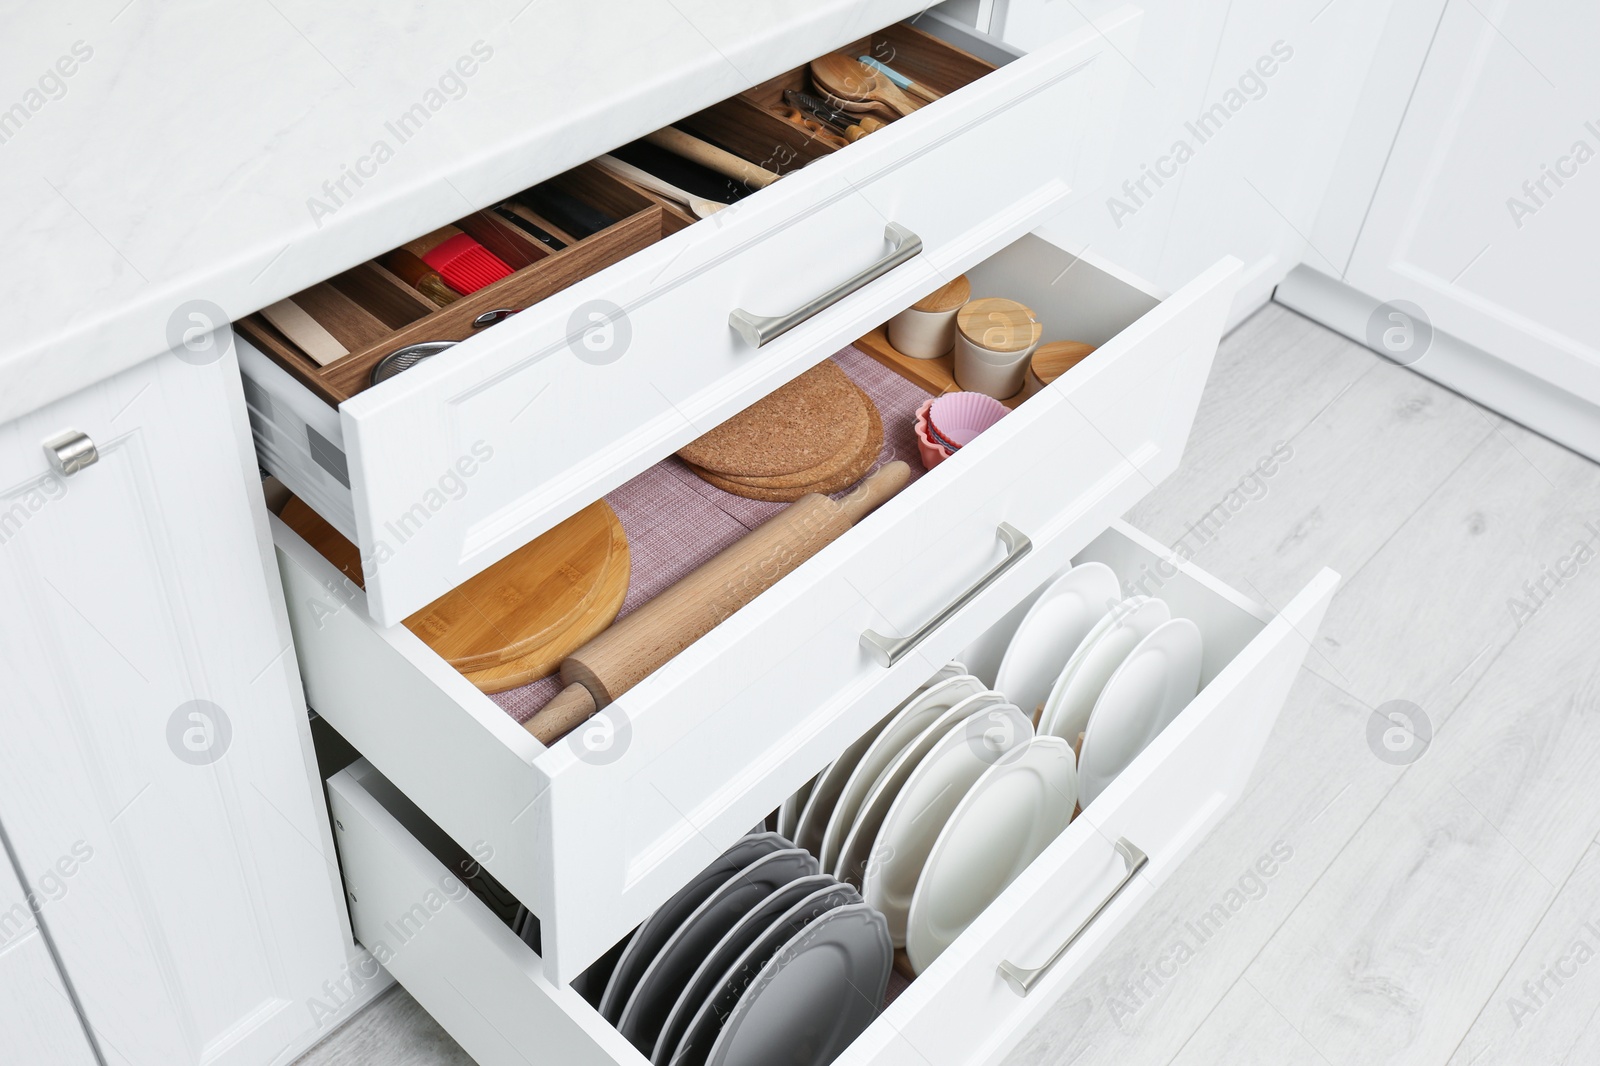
[759,329]
[70,452]
[1022,981]
[887,651]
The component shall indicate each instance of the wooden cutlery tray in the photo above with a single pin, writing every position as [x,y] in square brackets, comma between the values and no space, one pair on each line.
[372,312]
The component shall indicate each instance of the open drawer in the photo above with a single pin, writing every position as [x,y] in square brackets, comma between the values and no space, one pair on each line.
[634,354]
[709,743]
[489,990]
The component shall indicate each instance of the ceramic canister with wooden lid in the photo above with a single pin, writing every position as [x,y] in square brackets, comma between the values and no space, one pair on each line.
[927,329]
[1050,361]
[994,339]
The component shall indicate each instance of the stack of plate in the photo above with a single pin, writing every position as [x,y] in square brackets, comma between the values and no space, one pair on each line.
[759,959]
[935,811]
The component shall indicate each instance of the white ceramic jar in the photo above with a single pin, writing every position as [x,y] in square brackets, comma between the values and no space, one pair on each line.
[994,339]
[927,329]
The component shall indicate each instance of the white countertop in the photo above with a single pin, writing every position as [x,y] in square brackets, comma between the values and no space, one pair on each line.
[196,151]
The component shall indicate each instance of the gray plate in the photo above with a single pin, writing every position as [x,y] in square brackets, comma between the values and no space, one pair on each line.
[744,933]
[646,1010]
[814,997]
[657,929]
[702,1030]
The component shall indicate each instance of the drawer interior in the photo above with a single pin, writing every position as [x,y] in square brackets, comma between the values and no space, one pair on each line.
[1228,622]
[675,521]
[574,225]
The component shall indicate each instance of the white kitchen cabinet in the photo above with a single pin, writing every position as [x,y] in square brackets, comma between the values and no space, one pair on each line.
[1258,148]
[155,783]
[1482,217]
[37,1016]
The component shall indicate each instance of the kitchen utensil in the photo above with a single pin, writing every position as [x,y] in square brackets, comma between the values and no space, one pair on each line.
[855,854]
[707,976]
[1078,687]
[698,206]
[833,475]
[513,622]
[817,128]
[927,329]
[956,418]
[419,275]
[640,643]
[402,359]
[925,801]
[578,218]
[800,424]
[1015,809]
[1051,631]
[911,719]
[309,335]
[1050,361]
[510,214]
[839,75]
[915,88]
[711,157]
[814,996]
[657,929]
[930,450]
[646,1010]
[702,1030]
[994,339]
[1148,690]
[853,125]
[881,113]
[465,265]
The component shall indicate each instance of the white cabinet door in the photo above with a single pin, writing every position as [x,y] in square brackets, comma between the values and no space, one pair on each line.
[38,1023]
[1486,210]
[155,773]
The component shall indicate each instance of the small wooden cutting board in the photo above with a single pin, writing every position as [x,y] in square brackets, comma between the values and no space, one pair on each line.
[514,622]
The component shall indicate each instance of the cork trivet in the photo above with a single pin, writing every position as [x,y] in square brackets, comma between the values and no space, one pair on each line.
[999,325]
[846,457]
[946,297]
[833,483]
[794,428]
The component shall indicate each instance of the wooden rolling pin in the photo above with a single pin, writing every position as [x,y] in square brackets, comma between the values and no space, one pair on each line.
[711,157]
[638,645]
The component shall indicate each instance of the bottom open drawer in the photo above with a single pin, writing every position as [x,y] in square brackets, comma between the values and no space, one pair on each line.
[459,958]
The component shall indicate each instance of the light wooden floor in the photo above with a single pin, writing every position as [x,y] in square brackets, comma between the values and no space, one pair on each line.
[1436,912]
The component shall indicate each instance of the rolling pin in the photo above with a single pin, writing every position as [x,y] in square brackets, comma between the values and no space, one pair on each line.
[636,646]
[711,157]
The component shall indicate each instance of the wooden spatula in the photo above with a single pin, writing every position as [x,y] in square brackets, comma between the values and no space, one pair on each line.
[840,75]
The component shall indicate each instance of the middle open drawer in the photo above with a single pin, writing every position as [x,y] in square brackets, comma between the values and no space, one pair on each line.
[718,736]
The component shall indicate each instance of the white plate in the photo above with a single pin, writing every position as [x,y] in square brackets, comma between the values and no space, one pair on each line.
[657,929]
[1051,631]
[818,808]
[856,854]
[814,997]
[1066,712]
[789,813]
[913,717]
[925,802]
[646,1010]
[1153,685]
[1011,814]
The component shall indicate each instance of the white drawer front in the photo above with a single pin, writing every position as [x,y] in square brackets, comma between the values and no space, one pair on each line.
[490,991]
[718,736]
[547,426]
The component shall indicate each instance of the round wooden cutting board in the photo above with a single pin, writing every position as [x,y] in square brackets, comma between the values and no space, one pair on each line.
[514,622]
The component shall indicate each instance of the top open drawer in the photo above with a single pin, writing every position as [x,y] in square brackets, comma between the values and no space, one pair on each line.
[448,467]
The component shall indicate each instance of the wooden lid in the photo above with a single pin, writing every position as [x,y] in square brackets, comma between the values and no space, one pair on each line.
[1052,360]
[797,427]
[946,297]
[1000,325]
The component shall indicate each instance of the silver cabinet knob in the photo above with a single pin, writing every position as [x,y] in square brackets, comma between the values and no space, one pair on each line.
[71,452]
